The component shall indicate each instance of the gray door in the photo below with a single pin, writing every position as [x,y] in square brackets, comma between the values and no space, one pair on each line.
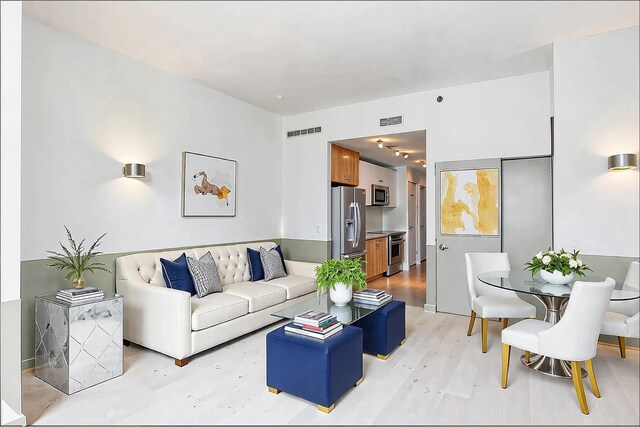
[452,295]
[526,208]
[422,224]
[412,235]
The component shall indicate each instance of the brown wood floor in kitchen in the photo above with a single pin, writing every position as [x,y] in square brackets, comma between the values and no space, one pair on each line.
[408,286]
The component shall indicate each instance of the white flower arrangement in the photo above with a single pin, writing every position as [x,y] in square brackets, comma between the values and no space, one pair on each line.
[562,261]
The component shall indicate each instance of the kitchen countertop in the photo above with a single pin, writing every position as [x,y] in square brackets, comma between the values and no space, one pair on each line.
[371,236]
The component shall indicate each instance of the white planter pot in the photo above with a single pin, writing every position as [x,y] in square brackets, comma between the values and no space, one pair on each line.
[557,278]
[341,295]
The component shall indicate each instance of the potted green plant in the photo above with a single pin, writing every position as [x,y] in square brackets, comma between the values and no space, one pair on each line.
[341,276]
[75,260]
[558,268]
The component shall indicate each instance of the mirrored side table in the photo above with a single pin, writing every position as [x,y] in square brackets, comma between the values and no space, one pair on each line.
[78,344]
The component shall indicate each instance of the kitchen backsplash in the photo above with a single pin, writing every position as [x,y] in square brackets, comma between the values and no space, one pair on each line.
[374,218]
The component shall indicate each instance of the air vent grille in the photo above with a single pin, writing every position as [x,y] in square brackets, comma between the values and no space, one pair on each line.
[301,132]
[390,121]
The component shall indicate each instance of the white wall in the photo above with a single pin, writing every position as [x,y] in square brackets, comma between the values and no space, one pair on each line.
[596,115]
[499,118]
[92,110]
[11,52]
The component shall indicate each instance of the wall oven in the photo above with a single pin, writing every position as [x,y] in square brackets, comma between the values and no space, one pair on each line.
[395,253]
[379,195]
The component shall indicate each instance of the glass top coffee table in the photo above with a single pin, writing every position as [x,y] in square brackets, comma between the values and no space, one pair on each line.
[347,315]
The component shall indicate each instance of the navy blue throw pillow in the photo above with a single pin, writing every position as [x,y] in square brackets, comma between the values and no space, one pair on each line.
[176,274]
[277,248]
[255,265]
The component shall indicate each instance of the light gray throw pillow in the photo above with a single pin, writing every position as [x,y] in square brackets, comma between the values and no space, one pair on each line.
[204,273]
[272,264]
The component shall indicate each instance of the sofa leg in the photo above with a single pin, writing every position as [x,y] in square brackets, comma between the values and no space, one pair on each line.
[182,362]
[359,382]
[126,342]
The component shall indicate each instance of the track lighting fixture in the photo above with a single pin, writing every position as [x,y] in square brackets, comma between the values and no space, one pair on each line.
[380,144]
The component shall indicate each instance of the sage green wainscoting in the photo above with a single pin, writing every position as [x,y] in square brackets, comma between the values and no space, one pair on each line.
[430,306]
[306,250]
[37,278]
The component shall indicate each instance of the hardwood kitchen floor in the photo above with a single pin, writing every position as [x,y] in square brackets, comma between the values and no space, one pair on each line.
[408,286]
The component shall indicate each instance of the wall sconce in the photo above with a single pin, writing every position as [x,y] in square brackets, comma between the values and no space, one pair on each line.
[621,162]
[133,170]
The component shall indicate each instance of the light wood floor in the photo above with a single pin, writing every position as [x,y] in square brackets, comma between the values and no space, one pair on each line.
[408,286]
[439,376]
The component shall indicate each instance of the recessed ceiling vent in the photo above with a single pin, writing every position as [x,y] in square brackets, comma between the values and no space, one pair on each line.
[390,121]
[300,132]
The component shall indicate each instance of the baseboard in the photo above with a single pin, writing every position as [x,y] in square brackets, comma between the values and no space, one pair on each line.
[430,308]
[608,344]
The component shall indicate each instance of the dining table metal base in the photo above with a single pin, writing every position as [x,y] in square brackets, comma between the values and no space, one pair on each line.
[550,366]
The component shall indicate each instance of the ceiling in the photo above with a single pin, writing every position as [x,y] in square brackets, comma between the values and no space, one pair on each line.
[412,143]
[325,54]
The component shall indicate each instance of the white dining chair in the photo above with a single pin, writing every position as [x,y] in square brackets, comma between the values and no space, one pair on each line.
[488,301]
[573,338]
[622,318]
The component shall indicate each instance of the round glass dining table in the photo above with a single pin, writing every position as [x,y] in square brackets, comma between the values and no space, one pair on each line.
[554,298]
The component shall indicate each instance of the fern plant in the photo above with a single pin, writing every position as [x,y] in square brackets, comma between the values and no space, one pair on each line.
[76,260]
[347,270]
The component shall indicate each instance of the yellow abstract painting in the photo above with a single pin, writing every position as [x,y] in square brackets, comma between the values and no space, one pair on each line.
[469,202]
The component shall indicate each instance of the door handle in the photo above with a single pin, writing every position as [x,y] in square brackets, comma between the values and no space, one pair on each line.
[443,247]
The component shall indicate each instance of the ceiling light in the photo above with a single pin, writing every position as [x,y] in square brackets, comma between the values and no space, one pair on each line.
[424,165]
[397,153]
[406,156]
[380,144]
[279,96]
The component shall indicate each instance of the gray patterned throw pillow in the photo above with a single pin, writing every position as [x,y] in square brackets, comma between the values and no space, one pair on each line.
[204,273]
[272,264]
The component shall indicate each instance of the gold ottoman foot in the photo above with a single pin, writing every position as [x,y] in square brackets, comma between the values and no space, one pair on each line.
[325,409]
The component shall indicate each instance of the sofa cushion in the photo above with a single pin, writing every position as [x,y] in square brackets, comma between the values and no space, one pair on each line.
[259,295]
[215,309]
[272,264]
[204,273]
[295,285]
[176,274]
[255,265]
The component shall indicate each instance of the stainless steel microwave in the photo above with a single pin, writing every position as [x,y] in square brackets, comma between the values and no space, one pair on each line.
[379,195]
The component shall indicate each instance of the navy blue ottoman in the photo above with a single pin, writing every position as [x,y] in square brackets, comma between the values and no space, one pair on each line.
[320,371]
[384,329]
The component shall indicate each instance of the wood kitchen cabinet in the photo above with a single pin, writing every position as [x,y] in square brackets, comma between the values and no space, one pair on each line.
[376,257]
[345,166]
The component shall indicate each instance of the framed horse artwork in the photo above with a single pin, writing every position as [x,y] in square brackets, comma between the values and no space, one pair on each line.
[208,185]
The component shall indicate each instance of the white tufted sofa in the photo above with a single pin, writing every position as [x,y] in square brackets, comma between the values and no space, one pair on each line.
[175,323]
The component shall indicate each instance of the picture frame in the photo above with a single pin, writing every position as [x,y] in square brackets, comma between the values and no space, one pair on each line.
[208,186]
[470,202]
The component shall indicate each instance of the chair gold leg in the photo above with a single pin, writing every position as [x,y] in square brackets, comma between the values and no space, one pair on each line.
[592,377]
[472,320]
[623,348]
[576,374]
[485,327]
[505,323]
[527,356]
[506,353]
[325,409]
[273,390]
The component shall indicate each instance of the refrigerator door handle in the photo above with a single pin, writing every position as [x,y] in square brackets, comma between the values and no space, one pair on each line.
[355,254]
[358,226]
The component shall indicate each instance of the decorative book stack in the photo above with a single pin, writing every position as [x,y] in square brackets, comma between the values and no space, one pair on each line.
[371,297]
[76,295]
[316,324]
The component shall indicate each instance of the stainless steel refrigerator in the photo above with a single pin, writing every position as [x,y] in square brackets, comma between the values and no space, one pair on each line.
[348,226]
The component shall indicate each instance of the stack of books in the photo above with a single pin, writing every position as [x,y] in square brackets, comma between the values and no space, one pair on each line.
[316,324]
[77,295]
[371,297]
